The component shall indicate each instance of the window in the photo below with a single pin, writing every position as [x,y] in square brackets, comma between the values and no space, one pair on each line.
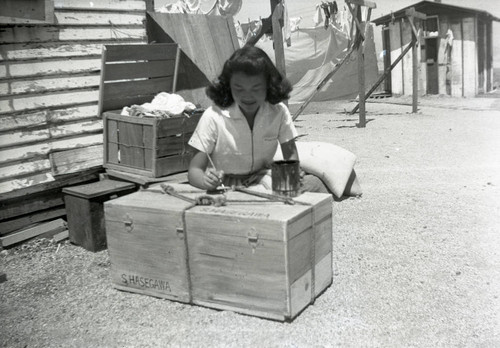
[431,26]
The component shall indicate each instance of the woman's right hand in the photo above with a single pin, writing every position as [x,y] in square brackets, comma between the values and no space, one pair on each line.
[212,178]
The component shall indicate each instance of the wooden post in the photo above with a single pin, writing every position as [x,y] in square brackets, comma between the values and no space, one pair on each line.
[279,51]
[410,14]
[361,79]
[360,38]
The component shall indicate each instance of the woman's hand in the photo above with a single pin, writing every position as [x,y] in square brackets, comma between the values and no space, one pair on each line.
[212,178]
[199,175]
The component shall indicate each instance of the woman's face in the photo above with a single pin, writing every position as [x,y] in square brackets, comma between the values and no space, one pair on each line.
[249,91]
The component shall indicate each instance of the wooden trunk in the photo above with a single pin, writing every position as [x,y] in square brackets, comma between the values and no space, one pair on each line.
[252,256]
[153,147]
[85,211]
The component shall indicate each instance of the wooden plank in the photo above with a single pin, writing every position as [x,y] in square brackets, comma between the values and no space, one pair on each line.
[32,102]
[59,237]
[42,149]
[31,204]
[24,169]
[20,51]
[35,68]
[15,189]
[43,228]
[120,53]
[7,188]
[11,225]
[23,137]
[42,85]
[18,34]
[99,18]
[131,144]
[114,91]
[123,5]
[40,118]
[84,127]
[134,70]
[76,160]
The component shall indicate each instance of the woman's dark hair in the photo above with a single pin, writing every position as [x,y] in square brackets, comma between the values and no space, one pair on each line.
[250,60]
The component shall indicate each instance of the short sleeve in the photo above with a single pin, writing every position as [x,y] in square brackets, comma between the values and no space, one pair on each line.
[287,128]
[205,134]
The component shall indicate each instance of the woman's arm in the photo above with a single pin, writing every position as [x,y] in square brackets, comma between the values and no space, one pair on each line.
[199,177]
[289,151]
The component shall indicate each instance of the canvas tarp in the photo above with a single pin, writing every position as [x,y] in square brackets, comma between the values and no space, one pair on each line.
[314,53]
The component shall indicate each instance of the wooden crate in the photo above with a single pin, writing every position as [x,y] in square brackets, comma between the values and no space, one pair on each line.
[85,211]
[251,256]
[135,74]
[153,147]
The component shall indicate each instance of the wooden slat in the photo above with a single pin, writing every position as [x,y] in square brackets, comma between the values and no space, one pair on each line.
[55,226]
[16,51]
[27,220]
[37,119]
[131,144]
[37,85]
[19,34]
[23,137]
[152,69]
[99,18]
[122,5]
[30,68]
[120,53]
[76,160]
[23,169]
[33,102]
[31,204]
[84,127]
[20,188]
[43,149]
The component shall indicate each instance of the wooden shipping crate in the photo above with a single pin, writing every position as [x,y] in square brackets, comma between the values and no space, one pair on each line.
[251,256]
[148,146]
[153,147]
[85,211]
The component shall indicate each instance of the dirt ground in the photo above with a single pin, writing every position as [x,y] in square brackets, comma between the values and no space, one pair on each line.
[416,259]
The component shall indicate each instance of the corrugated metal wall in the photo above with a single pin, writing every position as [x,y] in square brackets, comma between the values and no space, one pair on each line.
[49,90]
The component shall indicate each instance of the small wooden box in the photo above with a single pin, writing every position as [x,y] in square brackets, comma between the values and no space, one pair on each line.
[85,211]
[153,147]
[251,256]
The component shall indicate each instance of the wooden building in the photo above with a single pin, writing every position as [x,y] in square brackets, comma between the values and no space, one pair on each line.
[51,131]
[455,51]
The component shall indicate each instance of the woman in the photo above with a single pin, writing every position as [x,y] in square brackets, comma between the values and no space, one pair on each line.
[243,128]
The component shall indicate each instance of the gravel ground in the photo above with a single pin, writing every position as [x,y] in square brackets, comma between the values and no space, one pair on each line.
[416,260]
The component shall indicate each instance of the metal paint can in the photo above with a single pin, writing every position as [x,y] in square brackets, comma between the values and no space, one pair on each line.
[286,178]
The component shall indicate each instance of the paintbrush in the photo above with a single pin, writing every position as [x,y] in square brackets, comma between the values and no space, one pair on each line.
[209,158]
